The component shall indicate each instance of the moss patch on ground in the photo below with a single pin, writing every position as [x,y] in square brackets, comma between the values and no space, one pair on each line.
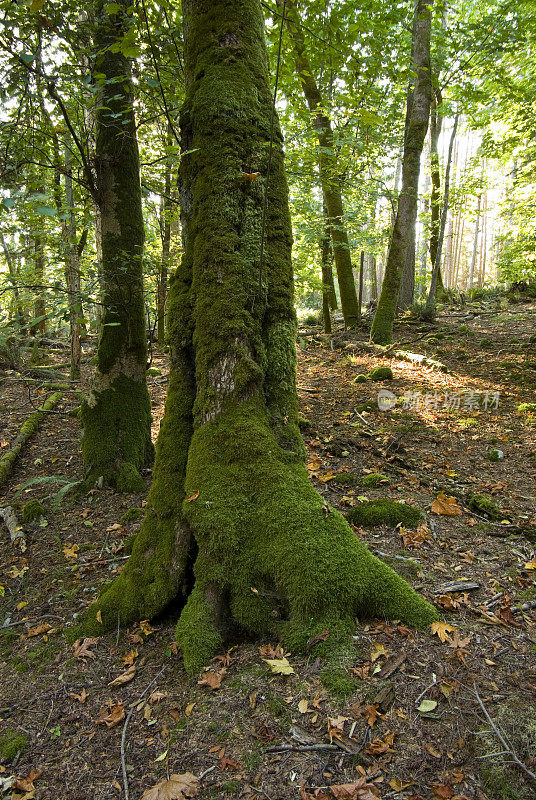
[373,513]
[12,743]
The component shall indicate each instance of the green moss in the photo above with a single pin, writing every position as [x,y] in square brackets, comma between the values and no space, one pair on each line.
[154,371]
[527,408]
[373,513]
[360,379]
[484,504]
[197,633]
[486,344]
[304,423]
[337,681]
[345,479]
[374,479]
[407,568]
[27,429]
[494,455]
[33,510]
[380,374]
[132,515]
[12,743]
[129,479]
[501,780]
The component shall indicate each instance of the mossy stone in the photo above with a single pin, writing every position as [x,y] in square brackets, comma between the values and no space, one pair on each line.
[33,510]
[380,374]
[374,479]
[494,455]
[484,504]
[12,743]
[129,479]
[345,479]
[373,513]
[360,379]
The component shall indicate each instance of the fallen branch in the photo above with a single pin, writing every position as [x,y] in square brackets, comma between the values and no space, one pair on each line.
[11,522]
[28,428]
[402,355]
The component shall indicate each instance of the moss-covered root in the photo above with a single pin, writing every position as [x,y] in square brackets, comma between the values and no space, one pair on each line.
[28,428]
[372,513]
[281,561]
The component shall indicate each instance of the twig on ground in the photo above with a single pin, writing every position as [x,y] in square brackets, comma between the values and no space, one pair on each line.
[508,749]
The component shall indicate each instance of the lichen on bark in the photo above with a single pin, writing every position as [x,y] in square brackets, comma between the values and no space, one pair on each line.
[230,492]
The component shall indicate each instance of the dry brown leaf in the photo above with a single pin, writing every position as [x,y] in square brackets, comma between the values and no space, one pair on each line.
[71,551]
[361,672]
[212,679]
[320,637]
[146,627]
[125,677]
[335,727]
[116,526]
[82,697]
[372,714]
[269,651]
[432,750]
[155,697]
[178,787]
[442,790]
[442,629]
[379,746]
[446,506]
[112,715]
[192,497]
[229,763]
[360,790]
[81,647]
[189,708]
[39,629]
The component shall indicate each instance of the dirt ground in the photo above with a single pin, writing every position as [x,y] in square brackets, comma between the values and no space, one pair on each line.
[409,718]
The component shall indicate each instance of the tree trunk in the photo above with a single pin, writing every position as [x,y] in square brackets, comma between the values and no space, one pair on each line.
[436,270]
[39,325]
[116,415]
[436,123]
[327,275]
[327,160]
[416,127]
[475,244]
[72,260]
[230,472]
[165,226]
[13,279]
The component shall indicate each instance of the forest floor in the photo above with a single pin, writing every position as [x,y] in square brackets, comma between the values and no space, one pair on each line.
[409,721]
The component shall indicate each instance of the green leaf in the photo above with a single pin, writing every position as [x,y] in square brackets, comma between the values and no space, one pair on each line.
[46,211]
[426,706]
[36,5]
[27,57]
[8,202]
[112,8]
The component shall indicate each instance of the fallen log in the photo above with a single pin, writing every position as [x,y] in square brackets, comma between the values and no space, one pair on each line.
[16,533]
[403,355]
[28,428]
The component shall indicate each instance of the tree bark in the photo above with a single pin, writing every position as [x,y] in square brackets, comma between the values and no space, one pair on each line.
[230,475]
[116,415]
[415,133]
[436,123]
[327,161]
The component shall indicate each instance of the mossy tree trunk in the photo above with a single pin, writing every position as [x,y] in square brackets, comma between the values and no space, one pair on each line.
[416,126]
[116,415]
[230,490]
[327,162]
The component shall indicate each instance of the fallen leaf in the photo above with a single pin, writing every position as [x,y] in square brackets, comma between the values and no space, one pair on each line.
[399,785]
[442,629]
[39,629]
[442,790]
[336,727]
[360,790]
[177,787]
[446,506]
[250,176]
[269,651]
[192,497]
[125,677]
[112,715]
[303,706]
[71,550]
[146,627]
[155,697]
[426,706]
[99,616]
[280,666]
[379,746]
[229,763]
[378,651]
[320,637]
[432,750]
[81,648]
[82,697]
[212,679]
[189,708]
[130,657]
[372,714]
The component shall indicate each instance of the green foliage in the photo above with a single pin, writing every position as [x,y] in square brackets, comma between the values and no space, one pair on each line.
[32,511]
[374,479]
[484,504]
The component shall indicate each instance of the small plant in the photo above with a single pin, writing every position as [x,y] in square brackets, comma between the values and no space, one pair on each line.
[67,485]
[484,504]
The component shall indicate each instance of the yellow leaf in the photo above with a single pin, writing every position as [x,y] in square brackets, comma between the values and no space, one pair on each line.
[189,708]
[71,550]
[99,616]
[442,629]
[280,666]
[21,605]
[399,785]
[303,706]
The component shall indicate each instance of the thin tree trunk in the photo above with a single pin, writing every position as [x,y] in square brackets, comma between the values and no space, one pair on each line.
[436,123]
[418,114]
[327,276]
[327,160]
[437,264]
[361,275]
[40,323]
[475,244]
[19,310]
[73,270]
[372,278]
